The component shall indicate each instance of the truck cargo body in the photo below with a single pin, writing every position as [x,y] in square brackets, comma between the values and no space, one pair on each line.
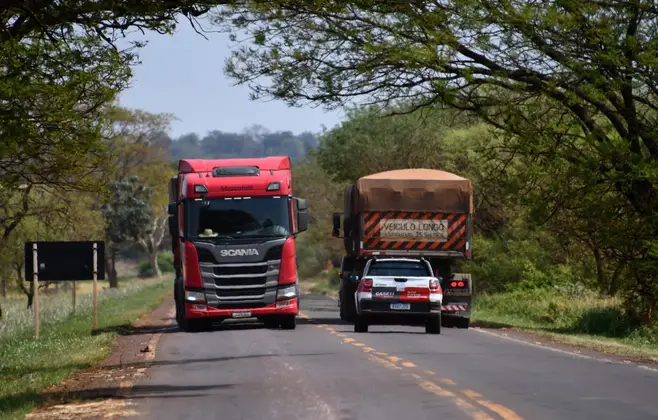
[408,213]
[233,225]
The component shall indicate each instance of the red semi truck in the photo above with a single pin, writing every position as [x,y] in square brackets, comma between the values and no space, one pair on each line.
[233,224]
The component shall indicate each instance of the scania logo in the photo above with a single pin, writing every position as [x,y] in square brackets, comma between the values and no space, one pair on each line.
[238,252]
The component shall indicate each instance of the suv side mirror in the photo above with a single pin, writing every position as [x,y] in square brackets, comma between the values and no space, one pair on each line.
[336,222]
[301,214]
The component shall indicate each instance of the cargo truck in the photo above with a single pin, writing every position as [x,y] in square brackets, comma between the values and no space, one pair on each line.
[413,213]
[233,224]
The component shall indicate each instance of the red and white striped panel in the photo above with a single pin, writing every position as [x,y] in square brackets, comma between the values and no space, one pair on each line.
[453,307]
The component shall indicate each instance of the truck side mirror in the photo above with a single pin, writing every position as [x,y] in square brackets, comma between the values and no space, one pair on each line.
[173,227]
[336,222]
[172,208]
[301,214]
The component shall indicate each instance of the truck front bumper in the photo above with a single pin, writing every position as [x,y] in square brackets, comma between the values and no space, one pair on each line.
[282,307]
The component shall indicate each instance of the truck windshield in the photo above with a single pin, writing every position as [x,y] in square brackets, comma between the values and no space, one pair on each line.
[399,269]
[239,218]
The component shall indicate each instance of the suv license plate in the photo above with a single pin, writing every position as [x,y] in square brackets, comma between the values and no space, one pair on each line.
[243,314]
[401,306]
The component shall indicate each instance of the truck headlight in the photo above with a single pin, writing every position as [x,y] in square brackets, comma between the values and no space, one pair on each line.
[199,297]
[287,292]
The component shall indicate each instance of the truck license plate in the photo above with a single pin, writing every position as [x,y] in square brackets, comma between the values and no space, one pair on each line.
[242,314]
[401,306]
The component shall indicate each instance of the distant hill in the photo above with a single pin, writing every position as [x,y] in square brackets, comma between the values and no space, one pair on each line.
[255,141]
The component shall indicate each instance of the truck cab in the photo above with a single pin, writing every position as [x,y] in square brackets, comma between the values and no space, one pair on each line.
[233,224]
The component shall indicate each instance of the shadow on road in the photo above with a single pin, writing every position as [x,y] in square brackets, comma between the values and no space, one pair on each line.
[127,329]
[324,321]
[490,324]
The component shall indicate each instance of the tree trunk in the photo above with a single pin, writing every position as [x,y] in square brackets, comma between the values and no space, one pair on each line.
[4,288]
[112,269]
[600,271]
[153,258]
[30,295]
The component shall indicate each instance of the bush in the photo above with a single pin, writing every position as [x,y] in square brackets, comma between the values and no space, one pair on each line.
[165,262]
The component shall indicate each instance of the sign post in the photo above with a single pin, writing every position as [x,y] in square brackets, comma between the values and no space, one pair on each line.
[95,279]
[35,288]
[74,286]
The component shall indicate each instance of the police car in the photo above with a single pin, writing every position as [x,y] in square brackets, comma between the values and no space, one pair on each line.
[398,291]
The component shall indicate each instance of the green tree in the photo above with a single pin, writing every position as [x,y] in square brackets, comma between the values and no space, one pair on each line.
[572,83]
[140,147]
[128,217]
[60,67]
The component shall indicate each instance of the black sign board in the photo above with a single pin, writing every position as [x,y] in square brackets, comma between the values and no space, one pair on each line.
[64,261]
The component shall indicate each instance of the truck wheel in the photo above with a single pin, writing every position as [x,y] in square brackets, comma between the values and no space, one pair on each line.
[463,323]
[288,322]
[194,325]
[360,324]
[433,325]
[447,321]
[350,310]
[270,322]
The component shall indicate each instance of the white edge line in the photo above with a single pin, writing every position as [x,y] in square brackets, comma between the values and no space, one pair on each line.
[570,353]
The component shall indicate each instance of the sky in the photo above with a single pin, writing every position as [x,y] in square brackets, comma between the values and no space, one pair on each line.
[183,75]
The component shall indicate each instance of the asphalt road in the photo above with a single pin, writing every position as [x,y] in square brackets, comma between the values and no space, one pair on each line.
[323,370]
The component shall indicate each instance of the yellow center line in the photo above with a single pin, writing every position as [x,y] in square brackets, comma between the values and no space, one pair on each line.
[503,412]
[390,362]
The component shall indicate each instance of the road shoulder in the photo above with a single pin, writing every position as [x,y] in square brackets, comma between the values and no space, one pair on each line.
[100,391]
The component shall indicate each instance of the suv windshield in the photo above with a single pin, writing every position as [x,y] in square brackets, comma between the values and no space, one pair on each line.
[239,218]
[399,269]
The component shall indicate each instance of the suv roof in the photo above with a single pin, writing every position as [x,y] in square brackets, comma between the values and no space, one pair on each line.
[416,260]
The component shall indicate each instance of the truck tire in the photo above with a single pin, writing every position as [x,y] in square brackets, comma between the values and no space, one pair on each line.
[433,325]
[288,322]
[270,322]
[463,323]
[194,325]
[360,324]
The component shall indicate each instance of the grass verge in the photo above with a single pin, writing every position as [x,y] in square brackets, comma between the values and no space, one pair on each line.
[323,284]
[583,320]
[66,342]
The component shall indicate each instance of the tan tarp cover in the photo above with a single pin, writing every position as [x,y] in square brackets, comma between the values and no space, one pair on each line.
[415,190]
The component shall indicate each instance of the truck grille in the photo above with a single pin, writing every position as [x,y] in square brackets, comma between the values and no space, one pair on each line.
[236,284]
[237,271]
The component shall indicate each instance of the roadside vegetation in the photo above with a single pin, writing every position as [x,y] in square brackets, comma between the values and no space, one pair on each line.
[67,342]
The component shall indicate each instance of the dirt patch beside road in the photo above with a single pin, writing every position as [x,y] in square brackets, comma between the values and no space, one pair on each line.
[100,392]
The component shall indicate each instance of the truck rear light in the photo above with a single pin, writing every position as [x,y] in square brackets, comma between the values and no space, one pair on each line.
[457,284]
[460,284]
[365,285]
[453,284]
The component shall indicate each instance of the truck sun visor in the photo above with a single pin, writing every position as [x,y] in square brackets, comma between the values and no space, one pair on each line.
[235,171]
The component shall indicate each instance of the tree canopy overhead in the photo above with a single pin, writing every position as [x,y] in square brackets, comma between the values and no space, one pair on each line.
[59,68]
[580,75]
[572,85]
